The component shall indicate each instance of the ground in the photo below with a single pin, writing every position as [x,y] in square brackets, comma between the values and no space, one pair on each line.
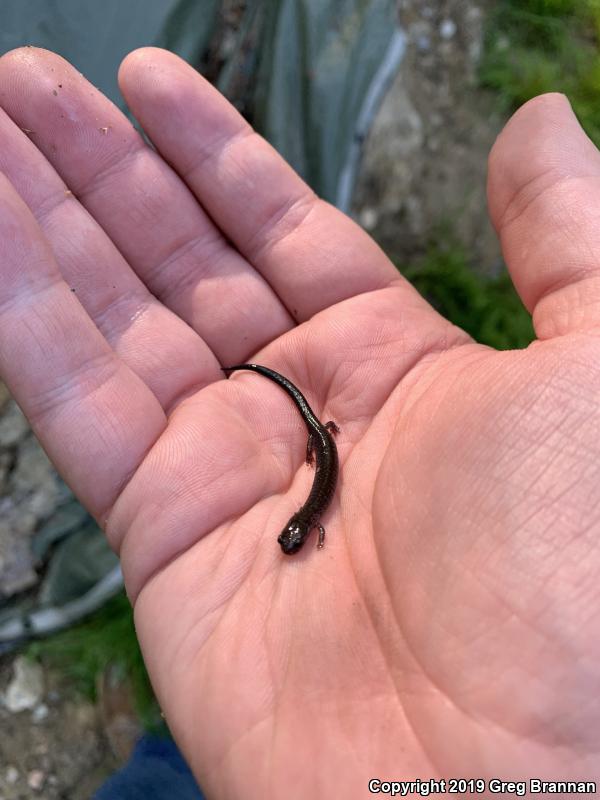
[424,168]
[55,750]
[425,164]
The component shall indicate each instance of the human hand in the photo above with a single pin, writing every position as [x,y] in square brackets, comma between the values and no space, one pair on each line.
[448,627]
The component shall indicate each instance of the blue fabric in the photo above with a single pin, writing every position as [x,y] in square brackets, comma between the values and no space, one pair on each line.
[155,771]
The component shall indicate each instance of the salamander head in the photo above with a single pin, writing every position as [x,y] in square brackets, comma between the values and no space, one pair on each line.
[293,536]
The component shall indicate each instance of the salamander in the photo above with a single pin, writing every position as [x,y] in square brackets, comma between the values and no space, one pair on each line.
[321,451]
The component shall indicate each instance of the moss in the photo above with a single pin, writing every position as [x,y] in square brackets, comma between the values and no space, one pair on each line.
[537,46]
[487,308]
[106,637]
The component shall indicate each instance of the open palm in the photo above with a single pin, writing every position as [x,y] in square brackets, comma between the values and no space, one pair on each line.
[447,627]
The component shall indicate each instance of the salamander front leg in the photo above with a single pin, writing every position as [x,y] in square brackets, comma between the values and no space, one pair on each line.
[321,541]
[332,427]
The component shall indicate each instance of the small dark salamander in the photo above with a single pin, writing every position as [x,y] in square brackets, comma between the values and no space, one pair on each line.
[321,444]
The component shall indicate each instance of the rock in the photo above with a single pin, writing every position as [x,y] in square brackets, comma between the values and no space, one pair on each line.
[368,218]
[447,29]
[39,713]
[25,522]
[425,158]
[35,779]
[4,395]
[16,567]
[26,689]
[33,468]
[33,493]
[11,776]
[13,425]
[423,43]
[6,461]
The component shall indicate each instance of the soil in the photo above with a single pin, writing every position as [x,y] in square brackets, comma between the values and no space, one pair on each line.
[424,166]
[57,749]
[425,162]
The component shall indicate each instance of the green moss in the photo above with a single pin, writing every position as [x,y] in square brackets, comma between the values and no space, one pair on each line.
[107,637]
[487,308]
[537,46]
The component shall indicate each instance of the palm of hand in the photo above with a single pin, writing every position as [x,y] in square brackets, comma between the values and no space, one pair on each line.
[446,626]
[443,612]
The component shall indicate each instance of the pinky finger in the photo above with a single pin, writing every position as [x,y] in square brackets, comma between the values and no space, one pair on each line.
[94,417]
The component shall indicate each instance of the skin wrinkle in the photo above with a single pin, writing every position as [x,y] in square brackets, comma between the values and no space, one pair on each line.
[544,468]
[367,608]
[523,620]
[438,351]
[552,546]
[20,301]
[413,719]
[414,727]
[284,446]
[570,234]
[53,201]
[498,435]
[215,479]
[220,767]
[515,612]
[530,490]
[188,635]
[521,737]
[120,161]
[555,306]
[455,698]
[581,275]
[105,514]
[206,249]
[190,391]
[549,582]
[290,217]
[501,541]
[245,309]
[519,204]
[215,151]
[567,489]
[72,385]
[136,302]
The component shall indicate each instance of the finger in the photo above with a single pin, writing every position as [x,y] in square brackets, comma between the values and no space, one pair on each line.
[294,239]
[153,341]
[145,208]
[544,198]
[95,418]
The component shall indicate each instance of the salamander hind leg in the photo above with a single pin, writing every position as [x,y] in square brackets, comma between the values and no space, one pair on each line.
[332,427]
[321,541]
[310,458]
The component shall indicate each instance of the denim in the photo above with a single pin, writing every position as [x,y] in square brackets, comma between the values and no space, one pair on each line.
[155,771]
